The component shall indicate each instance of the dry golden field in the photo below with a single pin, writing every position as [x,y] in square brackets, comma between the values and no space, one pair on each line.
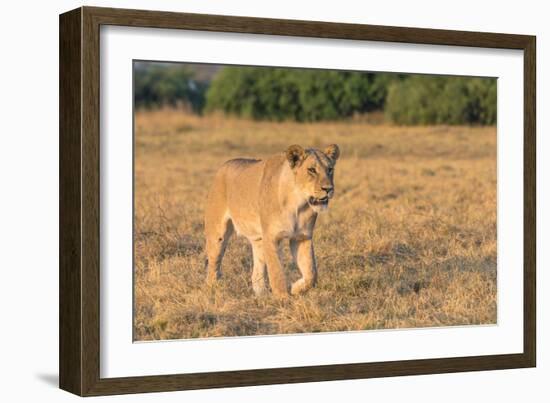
[409,239]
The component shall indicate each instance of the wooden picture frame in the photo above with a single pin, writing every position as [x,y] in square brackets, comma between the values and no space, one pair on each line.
[80,199]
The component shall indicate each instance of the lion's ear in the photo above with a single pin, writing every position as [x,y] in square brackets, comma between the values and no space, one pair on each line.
[295,155]
[333,152]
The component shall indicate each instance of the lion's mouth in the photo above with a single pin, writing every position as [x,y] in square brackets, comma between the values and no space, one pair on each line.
[314,201]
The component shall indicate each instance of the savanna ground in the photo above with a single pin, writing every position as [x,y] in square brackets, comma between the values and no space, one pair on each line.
[409,239]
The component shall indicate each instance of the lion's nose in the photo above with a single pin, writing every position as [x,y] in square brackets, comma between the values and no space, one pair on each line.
[327,189]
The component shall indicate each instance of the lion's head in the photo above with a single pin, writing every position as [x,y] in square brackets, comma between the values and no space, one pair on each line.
[314,173]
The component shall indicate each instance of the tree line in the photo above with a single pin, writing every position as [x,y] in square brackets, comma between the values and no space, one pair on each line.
[308,95]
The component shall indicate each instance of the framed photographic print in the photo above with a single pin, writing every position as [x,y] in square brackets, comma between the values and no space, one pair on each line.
[249,201]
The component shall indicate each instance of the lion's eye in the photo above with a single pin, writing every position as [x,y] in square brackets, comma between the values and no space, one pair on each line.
[312,171]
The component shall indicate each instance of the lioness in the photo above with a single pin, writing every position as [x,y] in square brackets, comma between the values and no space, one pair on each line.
[268,201]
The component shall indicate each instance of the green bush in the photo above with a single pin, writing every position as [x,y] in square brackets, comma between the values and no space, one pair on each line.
[295,94]
[442,100]
[157,85]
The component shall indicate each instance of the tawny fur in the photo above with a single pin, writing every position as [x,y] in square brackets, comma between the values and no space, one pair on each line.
[269,201]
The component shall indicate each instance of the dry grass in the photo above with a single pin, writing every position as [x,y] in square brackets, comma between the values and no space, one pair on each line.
[409,239]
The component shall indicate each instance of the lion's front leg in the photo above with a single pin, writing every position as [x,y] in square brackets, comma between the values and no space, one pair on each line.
[305,259]
[277,279]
